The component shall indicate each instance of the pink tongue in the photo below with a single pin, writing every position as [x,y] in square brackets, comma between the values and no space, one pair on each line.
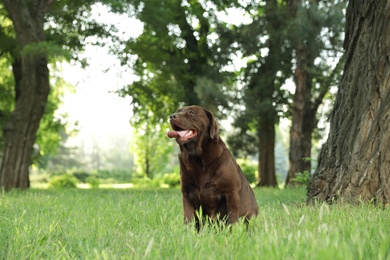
[176,134]
[173,134]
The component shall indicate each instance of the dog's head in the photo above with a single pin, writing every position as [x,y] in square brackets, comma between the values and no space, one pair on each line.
[192,124]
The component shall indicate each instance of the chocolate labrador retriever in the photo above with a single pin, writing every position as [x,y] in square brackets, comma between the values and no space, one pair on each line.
[210,177]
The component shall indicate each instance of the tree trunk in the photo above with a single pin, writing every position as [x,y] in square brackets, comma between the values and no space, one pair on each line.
[264,95]
[296,131]
[311,88]
[32,88]
[302,86]
[310,123]
[267,155]
[354,162]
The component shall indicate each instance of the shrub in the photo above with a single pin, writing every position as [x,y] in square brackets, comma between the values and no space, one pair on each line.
[249,169]
[302,178]
[119,176]
[93,181]
[141,181]
[81,175]
[63,181]
[171,179]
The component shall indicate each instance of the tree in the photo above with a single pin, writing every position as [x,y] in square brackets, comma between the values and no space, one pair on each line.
[51,126]
[354,164]
[41,29]
[152,148]
[264,41]
[179,60]
[32,87]
[53,129]
[315,32]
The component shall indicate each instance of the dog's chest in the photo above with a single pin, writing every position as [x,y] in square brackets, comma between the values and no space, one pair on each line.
[196,166]
[205,195]
[201,182]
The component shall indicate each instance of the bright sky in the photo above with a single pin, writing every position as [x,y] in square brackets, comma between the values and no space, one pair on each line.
[101,113]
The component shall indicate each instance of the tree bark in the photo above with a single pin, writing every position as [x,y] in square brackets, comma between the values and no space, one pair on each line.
[296,131]
[267,155]
[32,87]
[309,122]
[354,163]
[299,106]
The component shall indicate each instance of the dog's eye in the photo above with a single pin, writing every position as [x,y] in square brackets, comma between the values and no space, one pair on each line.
[191,112]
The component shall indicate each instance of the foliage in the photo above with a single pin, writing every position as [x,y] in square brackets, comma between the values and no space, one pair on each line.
[140,181]
[41,48]
[178,58]
[152,148]
[54,128]
[166,180]
[63,181]
[242,142]
[316,33]
[268,54]
[249,169]
[68,27]
[40,178]
[113,160]
[302,178]
[104,176]
[171,179]
[93,181]
[183,56]
[7,96]
[81,175]
[148,224]
[113,176]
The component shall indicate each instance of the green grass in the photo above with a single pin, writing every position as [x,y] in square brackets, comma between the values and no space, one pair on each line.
[147,224]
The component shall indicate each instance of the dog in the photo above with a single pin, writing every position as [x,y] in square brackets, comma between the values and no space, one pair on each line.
[212,182]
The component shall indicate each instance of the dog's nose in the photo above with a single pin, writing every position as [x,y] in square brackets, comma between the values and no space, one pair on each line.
[173,116]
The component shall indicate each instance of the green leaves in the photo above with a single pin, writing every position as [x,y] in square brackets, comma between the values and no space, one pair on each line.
[178,58]
[50,49]
[68,26]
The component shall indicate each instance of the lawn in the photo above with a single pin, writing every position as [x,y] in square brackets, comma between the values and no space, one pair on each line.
[147,224]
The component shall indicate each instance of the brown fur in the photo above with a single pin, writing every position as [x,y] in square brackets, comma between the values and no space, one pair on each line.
[210,177]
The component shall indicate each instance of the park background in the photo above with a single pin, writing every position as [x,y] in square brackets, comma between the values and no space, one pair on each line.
[86,89]
[98,136]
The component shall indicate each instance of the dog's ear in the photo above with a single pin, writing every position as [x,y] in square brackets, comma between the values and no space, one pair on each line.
[213,125]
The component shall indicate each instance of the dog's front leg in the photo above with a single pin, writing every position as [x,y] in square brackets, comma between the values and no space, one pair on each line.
[233,202]
[189,210]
